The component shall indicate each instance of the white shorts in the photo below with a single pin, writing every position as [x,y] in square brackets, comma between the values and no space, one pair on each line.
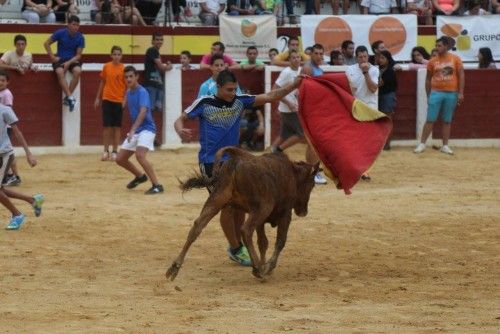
[4,163]
[144,138]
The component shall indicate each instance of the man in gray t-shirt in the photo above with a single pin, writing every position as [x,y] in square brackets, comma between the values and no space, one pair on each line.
[9,118]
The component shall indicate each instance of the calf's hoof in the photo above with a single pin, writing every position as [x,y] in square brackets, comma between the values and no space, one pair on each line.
[173,271]
[256,272]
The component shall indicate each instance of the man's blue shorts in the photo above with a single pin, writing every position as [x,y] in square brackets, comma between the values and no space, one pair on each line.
[444,102]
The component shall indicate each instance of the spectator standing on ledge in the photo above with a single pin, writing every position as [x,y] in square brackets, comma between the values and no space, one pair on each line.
[283,59]
[377,47]
[272,53]
[70,44]
[19,59]
[347,50]
[154,71]
[444,84]
[218,48]
[38,11]
[210,11]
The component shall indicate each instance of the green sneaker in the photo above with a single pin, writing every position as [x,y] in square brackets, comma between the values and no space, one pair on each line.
[37,204]
[241,256]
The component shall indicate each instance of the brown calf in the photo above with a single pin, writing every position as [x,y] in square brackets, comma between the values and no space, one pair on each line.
[266,187]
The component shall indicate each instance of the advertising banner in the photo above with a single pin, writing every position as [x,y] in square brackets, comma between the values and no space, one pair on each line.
[470,33]
[398,32]
[239,32]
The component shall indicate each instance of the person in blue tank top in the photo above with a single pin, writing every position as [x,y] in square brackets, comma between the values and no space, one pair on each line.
[313,69]
[140,138]
[220,116]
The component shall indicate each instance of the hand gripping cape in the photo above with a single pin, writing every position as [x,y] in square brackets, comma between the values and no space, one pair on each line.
[347,134]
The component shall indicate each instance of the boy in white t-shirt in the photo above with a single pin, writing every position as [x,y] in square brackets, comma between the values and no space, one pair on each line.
[9,118]
[18,59]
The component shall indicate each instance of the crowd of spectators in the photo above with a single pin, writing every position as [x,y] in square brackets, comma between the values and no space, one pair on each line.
[145,12]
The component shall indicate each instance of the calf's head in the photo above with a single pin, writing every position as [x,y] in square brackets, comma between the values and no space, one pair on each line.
[304,176]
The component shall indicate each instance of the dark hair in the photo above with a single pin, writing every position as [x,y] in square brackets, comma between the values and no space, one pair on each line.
[346,43]
[221,46]
[116,48]
[444,40]
[359,49]
[252,48]
[292,38]
[186,53]
[224,77]
[19,38]
[387,54]
[293,51]
[473,3]
[334,55]
[216,57]
[156,34]
[273,49]
[129,68]
[487,57]
[376,44]
[420,50]
[73,18]
[317,47]
[4,73]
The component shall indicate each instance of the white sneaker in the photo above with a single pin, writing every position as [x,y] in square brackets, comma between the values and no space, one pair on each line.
[420,148]
[319,179]
[446,149]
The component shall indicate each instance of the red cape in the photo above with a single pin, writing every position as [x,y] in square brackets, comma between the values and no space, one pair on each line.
[347,134]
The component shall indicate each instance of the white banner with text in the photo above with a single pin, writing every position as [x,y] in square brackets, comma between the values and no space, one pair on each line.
[239,32]
[470,33]
[398,32]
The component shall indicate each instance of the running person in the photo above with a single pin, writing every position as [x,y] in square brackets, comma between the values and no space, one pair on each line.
[313,69]
[9,118]
[220,116]
[141,136]
[111,92]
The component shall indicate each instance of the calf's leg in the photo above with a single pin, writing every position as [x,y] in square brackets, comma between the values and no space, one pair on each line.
[254,219]
[262,242]
[212,206]
[283,225]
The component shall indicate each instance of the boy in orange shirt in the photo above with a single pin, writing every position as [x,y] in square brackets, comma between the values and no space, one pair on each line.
[444,84]
[111,92]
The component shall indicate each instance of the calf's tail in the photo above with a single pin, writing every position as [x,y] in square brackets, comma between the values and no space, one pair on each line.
[197,181]
[235,153]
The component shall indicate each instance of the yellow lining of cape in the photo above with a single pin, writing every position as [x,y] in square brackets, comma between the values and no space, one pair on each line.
[364,113]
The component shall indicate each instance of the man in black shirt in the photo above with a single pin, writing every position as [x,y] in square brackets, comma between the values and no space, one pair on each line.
[154,71]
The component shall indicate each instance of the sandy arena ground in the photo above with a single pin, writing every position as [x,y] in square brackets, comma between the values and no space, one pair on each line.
[415,250]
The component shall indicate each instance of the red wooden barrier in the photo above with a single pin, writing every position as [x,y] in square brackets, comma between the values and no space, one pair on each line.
[38,105]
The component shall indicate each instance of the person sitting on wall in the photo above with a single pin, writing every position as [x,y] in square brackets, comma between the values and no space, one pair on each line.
[38,11]
[149,10]
[252,63]
[218,48]
[118,12]
[65,8]
[474,8]
[70,44]
[210,11]
[423,10]
[240,7]
[378,7]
